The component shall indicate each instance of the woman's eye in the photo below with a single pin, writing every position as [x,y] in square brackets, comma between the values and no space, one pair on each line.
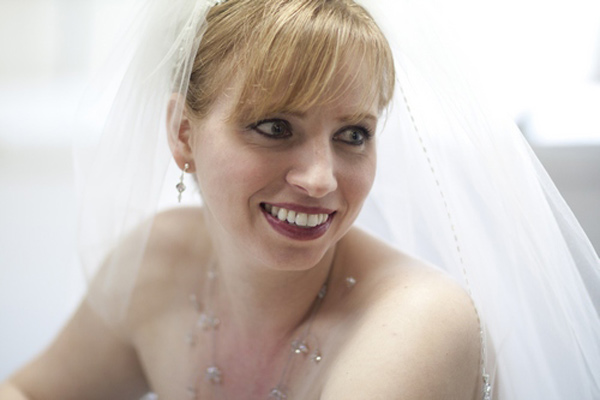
[355,135]
[275,129]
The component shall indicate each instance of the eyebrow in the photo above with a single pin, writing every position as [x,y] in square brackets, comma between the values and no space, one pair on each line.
[346,118]
[297,114]
[358,117]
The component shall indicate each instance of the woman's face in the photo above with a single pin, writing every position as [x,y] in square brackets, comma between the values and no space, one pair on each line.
[284,189]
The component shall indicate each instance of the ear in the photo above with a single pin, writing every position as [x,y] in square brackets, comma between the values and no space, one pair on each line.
[179,131]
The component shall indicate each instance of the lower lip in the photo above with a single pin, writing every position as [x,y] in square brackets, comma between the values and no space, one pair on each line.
[297,232]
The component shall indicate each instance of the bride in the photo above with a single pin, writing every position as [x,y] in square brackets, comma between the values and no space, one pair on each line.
[268,289]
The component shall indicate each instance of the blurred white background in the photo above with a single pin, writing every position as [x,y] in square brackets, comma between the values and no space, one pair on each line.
[49,49]
[541,59]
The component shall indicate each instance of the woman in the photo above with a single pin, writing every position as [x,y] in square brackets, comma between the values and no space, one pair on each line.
[271,107]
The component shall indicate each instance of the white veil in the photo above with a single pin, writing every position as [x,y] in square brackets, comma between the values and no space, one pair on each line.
[122,171]
[457,186]
[460,187]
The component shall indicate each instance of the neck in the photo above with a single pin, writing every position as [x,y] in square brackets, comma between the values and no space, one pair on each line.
[257,300]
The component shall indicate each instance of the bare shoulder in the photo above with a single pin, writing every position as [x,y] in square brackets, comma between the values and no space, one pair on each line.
[97,346]
[418,337]
[174,254]
[154,254]
[177,231]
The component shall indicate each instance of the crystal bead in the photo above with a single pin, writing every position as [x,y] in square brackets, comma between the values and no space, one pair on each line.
[322,292]
[180,187]
[350,282]
[487,395]
[316,357]
[213,374]
[207,322]
[277,394]
[299,347]
[204,321]
[211,274]
[487,387]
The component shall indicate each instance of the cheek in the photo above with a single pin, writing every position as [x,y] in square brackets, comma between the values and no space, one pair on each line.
[358,178]
[230,173]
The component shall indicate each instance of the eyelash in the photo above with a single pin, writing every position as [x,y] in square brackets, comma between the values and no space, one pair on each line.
[363,130]
[286,127]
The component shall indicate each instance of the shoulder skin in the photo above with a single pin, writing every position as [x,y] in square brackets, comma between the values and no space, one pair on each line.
[418,338]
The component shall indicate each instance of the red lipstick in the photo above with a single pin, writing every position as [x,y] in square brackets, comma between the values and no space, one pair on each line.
[299,232]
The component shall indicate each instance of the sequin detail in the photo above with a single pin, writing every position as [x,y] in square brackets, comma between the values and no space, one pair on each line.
[213,374]
[277,394]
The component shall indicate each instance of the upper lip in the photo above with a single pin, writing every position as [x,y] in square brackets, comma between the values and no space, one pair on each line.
[302,209]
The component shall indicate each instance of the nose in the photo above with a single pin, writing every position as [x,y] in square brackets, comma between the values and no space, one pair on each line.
[313,170]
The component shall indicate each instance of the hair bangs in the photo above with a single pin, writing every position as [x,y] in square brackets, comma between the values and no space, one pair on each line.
[290,56]
[316,53]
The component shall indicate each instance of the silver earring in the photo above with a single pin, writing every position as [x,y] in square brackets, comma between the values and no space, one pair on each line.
[181,186]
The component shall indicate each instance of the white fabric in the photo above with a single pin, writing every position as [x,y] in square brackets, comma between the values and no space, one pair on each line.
[122,173]
[457,186]
[460,187]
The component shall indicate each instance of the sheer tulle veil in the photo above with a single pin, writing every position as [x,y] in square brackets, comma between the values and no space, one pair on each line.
[457,185]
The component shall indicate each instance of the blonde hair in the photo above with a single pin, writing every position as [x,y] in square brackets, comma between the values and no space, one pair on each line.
[290,55]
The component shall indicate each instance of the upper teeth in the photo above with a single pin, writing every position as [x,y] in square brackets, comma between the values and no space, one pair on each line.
[297,218]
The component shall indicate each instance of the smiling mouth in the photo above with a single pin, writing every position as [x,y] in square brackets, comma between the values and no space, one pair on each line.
[300,219]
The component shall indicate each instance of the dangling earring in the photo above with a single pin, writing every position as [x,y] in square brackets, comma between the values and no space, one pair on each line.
[181,186]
